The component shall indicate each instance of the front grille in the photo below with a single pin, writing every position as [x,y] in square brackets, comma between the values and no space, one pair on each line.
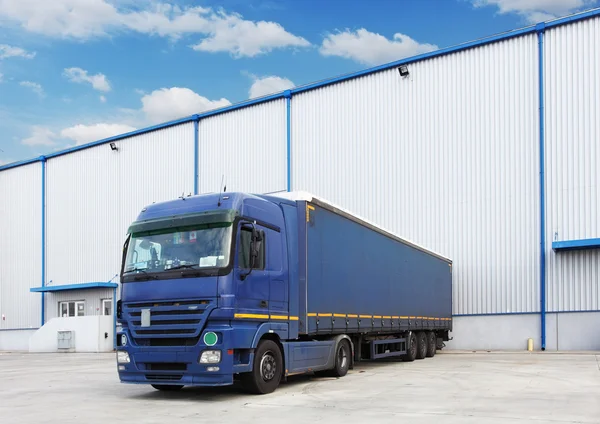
[164,377]
[172,323]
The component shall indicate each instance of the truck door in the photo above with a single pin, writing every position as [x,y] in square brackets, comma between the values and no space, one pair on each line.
[253,285]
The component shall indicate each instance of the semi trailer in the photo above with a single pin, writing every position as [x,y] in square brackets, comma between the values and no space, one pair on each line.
[227,287]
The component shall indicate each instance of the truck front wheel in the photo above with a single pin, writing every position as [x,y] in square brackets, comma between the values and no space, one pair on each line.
[267,369]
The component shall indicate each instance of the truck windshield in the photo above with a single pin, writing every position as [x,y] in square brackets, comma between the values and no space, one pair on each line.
[198,247]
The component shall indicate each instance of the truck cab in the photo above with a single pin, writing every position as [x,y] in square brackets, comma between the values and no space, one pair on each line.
[203,279]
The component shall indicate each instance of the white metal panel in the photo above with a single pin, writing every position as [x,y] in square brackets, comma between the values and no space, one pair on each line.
[92,298]
[447,157]
[20,246]
[94,194]
[248,147]
[572,111]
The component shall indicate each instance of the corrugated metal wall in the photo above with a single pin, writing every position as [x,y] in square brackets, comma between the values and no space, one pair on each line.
[447,157]
[247,146]
[20,246]
[92,297]
[94,194]
[572,111]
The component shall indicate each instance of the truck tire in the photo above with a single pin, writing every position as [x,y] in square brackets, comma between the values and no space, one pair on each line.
[421,345]
[267,369]
[411,348]
[343,356]
[167,387]
[431,344]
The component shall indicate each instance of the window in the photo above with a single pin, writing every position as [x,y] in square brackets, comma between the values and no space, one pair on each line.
[71,309]
[200,246]
[107,307]
[244,250]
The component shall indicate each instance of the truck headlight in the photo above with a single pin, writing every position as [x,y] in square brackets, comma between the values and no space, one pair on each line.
[210,357]
[122,357]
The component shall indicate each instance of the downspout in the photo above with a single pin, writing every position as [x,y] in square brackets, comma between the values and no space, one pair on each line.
[196,151]
[114,318]
[288,106]
[540,28]
[43,161]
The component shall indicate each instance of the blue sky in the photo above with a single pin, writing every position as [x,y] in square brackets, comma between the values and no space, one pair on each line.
[75,71]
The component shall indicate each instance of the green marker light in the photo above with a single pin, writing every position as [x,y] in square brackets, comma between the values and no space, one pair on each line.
[210,339]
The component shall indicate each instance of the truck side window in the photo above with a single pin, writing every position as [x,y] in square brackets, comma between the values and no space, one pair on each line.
[244,250]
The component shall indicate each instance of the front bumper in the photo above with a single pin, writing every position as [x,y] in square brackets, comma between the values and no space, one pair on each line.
[177,365]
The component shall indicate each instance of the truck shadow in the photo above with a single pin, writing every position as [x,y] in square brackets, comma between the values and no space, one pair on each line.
[227,393]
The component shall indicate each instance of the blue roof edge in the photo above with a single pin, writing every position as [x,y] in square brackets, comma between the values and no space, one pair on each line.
[81,286]
[311,86]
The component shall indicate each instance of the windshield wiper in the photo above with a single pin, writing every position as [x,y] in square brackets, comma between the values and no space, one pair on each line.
[145,276]
[134,270]
[183,266]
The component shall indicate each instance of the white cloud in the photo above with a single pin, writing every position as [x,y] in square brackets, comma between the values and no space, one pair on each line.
[246,38]
[34,86]
[269,85]
[103,99]
[5,161]
[7,51]
[83,134]
[85,19]
[40,136]
[99,81]
[1,76]
[536,10]
[176,102]
[370,48]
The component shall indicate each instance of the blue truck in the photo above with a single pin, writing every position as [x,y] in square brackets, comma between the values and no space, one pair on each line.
[226,287]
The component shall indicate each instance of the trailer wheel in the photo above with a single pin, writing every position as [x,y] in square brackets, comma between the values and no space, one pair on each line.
[267,369]
[421,345]
[431,344]
[411,348]
[167,387]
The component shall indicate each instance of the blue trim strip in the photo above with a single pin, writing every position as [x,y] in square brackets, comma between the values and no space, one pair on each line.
[580,244]
[540,28]
[43,162]
[524,313]
[82,286]
[477,43]
[288,113]
[494,314]
[196,152]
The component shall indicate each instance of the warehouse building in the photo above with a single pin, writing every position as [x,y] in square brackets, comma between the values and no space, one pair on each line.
[486,152]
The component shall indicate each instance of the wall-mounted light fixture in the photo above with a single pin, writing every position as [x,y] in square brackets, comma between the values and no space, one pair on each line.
[403,69]
[113,146]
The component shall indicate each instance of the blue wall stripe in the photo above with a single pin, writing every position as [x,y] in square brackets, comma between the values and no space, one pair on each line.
[591,311]
[43,161]
[196,151]
[288,106]
[540,32]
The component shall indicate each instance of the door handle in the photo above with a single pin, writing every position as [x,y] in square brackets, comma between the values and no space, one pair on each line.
[263,304]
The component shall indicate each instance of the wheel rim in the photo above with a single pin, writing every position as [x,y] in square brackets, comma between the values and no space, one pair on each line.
[342,357]
[268,366]
[413,345]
